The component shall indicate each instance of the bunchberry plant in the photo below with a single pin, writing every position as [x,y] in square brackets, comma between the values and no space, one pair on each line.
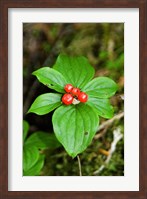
[79,101]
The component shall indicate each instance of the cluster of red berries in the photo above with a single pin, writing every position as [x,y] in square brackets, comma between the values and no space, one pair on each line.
[73,93]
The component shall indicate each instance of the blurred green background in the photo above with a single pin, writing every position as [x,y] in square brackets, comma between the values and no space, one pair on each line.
[103,45]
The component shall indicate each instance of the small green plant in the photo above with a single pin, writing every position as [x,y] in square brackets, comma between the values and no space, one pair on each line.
[79,101]
[33,146]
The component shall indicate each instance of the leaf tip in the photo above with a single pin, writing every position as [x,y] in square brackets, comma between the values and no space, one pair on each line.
[34,73]
[28,111]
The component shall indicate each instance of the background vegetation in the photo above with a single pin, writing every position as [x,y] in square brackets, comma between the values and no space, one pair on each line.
[103,45]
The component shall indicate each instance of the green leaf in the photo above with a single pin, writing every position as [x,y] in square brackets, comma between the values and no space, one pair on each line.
[75,126]
[76,70]
[25,129]
[42,140]
[103,106]
[102,87]
[30,156]
[51,78]
[36,168]
[45,103]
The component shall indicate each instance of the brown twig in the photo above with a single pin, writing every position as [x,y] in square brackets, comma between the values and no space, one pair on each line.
[106,124]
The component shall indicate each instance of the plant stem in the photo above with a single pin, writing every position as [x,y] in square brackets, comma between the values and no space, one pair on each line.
[79,163]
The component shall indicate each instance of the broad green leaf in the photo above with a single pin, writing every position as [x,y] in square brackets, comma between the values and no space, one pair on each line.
[36,168]
[30,156]
[102,106]
[45,103]
[76,70]
[102,87]
[25,129]
[51,78]
[75,126]
[42,140]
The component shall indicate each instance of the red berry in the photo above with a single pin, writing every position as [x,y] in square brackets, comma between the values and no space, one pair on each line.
[75,91]
[68,88]
[67,99]
[83,97]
